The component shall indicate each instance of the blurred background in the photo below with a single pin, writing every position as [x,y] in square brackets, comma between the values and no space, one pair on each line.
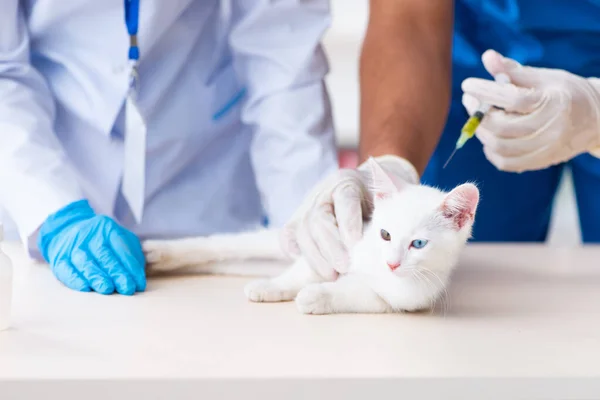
[342,44]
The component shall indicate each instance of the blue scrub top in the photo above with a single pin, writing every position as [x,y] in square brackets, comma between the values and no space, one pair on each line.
[545,33]
[561,34]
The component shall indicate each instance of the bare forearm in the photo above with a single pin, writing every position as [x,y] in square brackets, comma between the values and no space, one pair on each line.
[405,73]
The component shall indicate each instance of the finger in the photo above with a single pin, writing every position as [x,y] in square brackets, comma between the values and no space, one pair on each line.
[523,76]
[504,95]
[97,279]
[134,244]
[507,125]
[495,63]
[506,147]
[326,233]
[494,121]
[470,103]
[105,258]
[526,162]
[473,105]
[70,277]
[311,250]
[502,125]
[131,256]
[290,232]
[531,130]
[347,209]
[528,142]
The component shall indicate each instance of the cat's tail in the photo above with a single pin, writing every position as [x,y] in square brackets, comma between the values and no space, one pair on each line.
[219,253]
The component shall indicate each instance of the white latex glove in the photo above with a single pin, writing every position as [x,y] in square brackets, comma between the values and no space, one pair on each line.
[549,116]
[330,220]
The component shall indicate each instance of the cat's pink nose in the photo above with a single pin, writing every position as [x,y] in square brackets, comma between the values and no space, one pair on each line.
[393,266]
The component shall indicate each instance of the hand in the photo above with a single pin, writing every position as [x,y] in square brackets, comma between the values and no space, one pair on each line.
[330,221]
[549,116]
[92,252]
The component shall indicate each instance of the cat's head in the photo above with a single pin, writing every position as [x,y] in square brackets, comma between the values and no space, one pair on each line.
[419,227]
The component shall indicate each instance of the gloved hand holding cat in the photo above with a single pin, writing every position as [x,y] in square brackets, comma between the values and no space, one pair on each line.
[330,220]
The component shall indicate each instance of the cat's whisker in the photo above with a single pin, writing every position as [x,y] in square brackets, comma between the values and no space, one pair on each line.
[445,294]
[406,271]
[445,298]
[444,301]
[433,300]
[425,280]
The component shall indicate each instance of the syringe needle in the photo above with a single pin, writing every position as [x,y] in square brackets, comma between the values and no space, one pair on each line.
[470,127]
[450,158]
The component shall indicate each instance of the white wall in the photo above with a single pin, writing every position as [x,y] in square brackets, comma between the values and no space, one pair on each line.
[342,44]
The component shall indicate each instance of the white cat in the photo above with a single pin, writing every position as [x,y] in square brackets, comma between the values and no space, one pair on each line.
[403,263]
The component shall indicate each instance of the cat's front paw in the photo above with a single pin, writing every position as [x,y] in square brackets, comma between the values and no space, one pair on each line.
[314,299]
[268,291]
[158,255]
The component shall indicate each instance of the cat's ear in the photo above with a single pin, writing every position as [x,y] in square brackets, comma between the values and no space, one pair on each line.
[460,204]
[383,184]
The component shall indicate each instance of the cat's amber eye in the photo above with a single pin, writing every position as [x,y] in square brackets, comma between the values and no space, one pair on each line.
[385,235]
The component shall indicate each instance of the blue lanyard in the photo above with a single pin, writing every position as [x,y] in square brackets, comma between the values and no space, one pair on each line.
[132,11]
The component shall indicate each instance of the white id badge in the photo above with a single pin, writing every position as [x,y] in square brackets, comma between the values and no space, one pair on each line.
[134,173]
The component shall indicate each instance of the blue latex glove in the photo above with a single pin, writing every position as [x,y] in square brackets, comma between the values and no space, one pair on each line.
[92,252]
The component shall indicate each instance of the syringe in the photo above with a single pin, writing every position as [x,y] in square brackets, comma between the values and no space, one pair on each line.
[470,127]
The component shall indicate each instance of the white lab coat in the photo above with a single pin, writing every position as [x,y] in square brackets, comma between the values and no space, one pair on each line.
[210,166]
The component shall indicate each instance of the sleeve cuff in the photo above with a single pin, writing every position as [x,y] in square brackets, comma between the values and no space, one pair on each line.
[30,216]
[30,230]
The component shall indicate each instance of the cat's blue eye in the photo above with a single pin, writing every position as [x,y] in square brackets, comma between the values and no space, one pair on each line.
[419,243]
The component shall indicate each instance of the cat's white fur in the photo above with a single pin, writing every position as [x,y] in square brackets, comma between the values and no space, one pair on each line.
[373,283]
